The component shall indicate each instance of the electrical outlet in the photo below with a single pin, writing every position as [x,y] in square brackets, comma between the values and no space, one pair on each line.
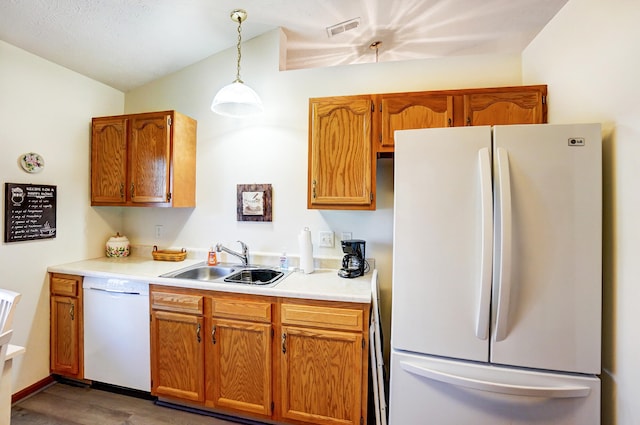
[326,239]
[346,236]
[158,231]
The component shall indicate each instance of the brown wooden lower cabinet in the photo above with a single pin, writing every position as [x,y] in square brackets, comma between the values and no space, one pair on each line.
[321,376]
[177,348]
[285,360]
[66,327]
[240,366]
[178,355]
[324,360]
[239,371]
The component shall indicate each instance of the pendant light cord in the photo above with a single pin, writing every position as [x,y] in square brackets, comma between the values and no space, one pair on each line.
[239,51]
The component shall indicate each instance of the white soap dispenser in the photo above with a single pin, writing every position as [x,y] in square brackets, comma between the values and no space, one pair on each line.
[284,262]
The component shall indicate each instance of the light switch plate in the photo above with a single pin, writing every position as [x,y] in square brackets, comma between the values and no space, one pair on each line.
[326,239]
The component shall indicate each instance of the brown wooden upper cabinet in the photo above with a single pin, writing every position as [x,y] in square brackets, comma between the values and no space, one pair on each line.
[341,161]
[348,133]
[510,105]
[454,108]
[144,159]
[403,111]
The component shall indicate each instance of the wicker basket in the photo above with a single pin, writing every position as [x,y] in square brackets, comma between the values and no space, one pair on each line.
[168,255]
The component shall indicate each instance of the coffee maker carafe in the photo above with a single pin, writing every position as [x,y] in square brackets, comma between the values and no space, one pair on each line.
[353,263]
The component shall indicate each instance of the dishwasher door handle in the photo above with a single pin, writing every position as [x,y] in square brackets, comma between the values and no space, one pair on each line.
[110,291]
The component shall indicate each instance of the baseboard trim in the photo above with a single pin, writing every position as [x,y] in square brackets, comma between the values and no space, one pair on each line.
[32,389]
[130,392]
[190,409]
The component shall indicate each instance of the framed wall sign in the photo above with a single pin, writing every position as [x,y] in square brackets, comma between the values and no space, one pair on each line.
[254,202]
[29,212]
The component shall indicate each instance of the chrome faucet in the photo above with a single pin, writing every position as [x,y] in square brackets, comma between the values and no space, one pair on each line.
[244,256]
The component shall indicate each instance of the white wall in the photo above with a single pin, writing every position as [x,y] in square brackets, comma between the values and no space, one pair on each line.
[47,109]
[589,55]
[272,148]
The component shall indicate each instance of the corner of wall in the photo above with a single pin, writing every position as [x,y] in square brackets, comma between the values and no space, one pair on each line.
[283,50]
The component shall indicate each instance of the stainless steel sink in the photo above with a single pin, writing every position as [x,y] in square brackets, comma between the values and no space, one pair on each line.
[255,276]
[204,273]
[230,273]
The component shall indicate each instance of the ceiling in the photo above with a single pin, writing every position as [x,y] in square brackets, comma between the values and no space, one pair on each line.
[127,43]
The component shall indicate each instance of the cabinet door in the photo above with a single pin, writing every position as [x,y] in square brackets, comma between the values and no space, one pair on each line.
[177,355]
[409,111]
[520,105]
[240,361]
[65,336]
[109,160]
[321,375]
[149,159]
[340,158]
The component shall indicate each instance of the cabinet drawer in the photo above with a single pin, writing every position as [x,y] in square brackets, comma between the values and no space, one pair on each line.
[259,311]
[183,303]
[65,285]
[322,317]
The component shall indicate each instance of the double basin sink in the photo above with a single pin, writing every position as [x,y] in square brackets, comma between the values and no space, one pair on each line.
[230,273]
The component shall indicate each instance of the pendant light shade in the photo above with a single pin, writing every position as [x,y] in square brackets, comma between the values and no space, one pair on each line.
[237,99]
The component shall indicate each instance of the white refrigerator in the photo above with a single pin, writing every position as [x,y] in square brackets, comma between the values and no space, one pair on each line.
[496,300]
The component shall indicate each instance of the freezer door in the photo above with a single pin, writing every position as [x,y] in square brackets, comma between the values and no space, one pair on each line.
[547,290]
[442,244]
[453,393]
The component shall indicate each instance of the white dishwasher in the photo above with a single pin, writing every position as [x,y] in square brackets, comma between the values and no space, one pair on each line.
[116,332]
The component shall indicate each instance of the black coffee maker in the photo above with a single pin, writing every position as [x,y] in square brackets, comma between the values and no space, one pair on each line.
[354,262]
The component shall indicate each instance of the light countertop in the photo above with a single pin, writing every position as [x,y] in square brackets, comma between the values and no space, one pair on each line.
[320,285]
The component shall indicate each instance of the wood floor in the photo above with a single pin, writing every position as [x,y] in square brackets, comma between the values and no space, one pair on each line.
[63,404]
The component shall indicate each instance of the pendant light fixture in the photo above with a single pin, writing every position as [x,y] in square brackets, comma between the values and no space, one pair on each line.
[237,99]
[375,46]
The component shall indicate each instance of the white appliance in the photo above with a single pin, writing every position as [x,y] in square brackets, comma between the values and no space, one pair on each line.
[496,307]
[116,332]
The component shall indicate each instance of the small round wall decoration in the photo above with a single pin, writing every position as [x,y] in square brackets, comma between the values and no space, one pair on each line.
[31,162]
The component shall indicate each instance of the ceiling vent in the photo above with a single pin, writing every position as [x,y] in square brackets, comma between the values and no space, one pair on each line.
[343,27]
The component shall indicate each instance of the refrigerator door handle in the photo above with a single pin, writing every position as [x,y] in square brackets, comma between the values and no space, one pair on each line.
[504,275]
[486,255]
[563,391]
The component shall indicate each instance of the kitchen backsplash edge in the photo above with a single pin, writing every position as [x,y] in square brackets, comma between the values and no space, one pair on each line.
[263,258]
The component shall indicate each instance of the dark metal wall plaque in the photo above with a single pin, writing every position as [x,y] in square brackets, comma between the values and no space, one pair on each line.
[29,212]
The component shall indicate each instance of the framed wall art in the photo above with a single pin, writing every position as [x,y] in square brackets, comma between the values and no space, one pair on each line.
[254,202]
[29,212]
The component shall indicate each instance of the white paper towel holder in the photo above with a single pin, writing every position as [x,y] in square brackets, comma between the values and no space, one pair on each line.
[306,251]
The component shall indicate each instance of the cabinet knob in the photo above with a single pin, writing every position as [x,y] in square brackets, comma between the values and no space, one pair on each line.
[72,311]
[213,334]
[133,190]
[284,343]
[449,122]
[121,190]
[198,332]
[313,189]
[468,120]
